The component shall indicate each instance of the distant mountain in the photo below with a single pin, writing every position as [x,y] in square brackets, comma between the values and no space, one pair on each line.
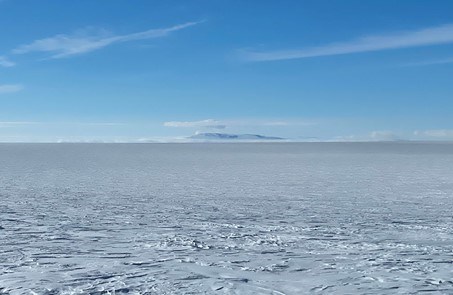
[225,137]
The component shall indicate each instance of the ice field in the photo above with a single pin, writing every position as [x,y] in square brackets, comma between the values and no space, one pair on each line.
[268,218]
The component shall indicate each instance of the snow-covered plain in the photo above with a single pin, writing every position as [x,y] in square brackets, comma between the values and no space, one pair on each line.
[275,218]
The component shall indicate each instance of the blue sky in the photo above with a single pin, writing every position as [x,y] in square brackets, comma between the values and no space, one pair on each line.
[121,70]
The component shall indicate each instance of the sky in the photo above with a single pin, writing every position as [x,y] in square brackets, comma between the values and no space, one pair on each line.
[148,70]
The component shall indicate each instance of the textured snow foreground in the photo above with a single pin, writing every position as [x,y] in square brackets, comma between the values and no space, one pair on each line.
[226,218]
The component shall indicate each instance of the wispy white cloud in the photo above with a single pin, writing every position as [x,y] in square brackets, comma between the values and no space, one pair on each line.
[5,62]
[209,123]
[276,123]
[370,137]
[89,40]
[430,62]
[10,88]
[424,37]
[16,123]
[66,124]
[435,133]
[270,123]
[222,124]
[383,136]
[107,124]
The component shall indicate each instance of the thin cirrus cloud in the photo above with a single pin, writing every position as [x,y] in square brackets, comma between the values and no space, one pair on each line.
[16,123]
[430,62]
[5,62]
[383,136]
[217,124]
[423,37]
[10,88]
[50,124]
[85,41]
[436,133]
[208,123]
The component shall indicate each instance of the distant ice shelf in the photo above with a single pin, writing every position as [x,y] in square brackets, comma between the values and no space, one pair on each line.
[233,137]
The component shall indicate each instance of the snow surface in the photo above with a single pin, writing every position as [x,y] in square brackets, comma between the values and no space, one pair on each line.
[276,218]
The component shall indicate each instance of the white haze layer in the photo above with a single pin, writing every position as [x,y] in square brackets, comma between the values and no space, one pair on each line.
[333,218]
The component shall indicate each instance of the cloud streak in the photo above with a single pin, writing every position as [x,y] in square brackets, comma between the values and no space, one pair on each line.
[5,62]
[16,123]
[222,124]
[436,133]
[209,123]
[430,62]
[10,88]
[424,37]
[383,136]
[88,40]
